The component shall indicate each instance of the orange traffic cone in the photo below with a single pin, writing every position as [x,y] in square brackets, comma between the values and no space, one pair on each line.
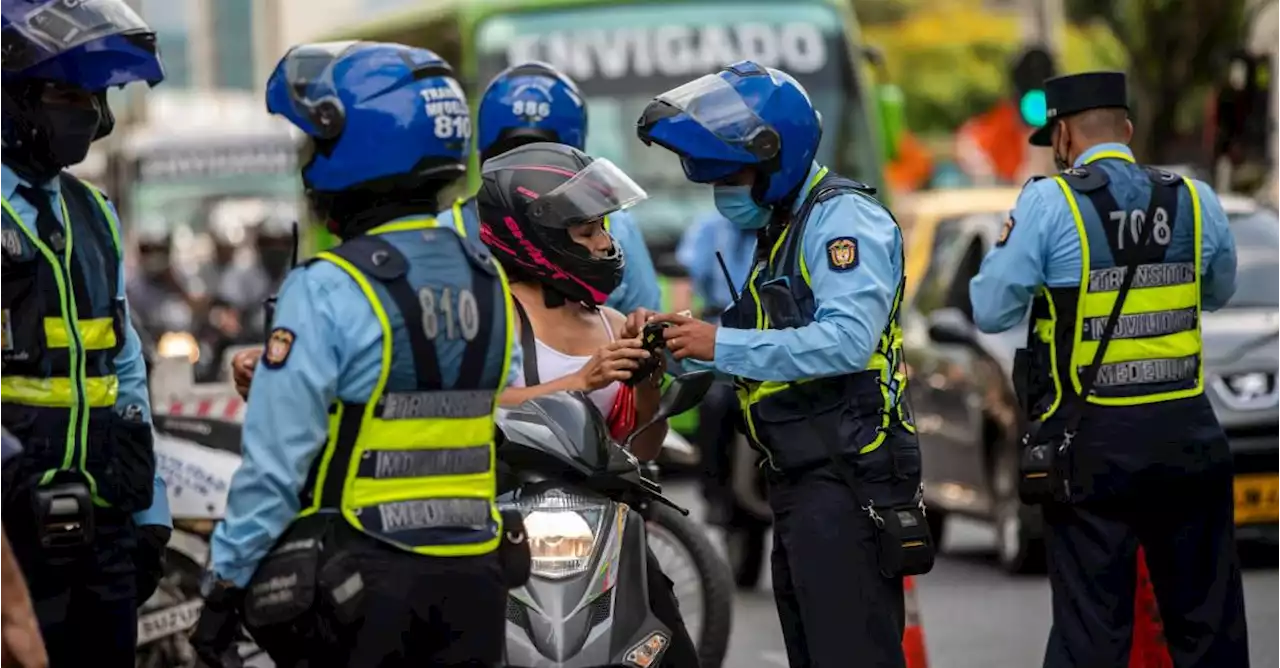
[1149,648]
[913,636]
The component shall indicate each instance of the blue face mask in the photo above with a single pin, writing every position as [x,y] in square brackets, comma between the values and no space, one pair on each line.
[735,203]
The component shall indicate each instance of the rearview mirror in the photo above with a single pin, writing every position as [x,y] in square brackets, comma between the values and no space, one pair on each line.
[684,392]
[951,325]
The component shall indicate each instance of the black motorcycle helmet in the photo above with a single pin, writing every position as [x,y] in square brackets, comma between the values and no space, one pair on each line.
[529,199]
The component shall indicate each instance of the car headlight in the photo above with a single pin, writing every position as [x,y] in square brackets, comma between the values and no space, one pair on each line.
[178,344]
[563,530]
[1248,386]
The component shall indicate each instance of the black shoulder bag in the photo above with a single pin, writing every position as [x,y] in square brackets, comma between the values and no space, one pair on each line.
[1044,474]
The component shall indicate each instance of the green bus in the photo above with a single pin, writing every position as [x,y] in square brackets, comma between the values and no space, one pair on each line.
[622,53]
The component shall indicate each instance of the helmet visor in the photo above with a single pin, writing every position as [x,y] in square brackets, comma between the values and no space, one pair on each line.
[712,103]
[593,193]
[57,27]
[308,72]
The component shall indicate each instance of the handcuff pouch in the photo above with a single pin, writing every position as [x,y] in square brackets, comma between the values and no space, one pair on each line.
[283,589]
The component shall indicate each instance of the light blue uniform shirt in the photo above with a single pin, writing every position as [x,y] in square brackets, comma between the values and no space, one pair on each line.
[853,304]
[639,287]
[697,254]
[131,369]
[337,355]
[1043,249]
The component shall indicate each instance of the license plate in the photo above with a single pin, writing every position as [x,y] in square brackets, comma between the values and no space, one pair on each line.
[169,621]
[1257,498]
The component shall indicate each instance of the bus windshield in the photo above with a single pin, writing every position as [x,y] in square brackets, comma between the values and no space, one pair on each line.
[622,56]
[196,192]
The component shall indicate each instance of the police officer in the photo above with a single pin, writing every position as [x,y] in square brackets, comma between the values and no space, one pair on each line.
[535,102]
[368,442]
[86,514]
[815,348]
[718,412]
[1143,461]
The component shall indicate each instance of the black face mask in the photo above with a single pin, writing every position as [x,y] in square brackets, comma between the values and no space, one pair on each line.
[71,131]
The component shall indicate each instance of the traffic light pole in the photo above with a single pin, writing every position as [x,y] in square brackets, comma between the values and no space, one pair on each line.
[1042,22]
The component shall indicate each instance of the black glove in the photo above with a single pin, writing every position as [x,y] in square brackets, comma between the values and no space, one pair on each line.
[148,559]
[215,635]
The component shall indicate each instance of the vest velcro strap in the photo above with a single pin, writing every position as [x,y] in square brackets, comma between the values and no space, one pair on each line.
[1140,372]
[344,445]
[398,464]
[452,404]
[487,290]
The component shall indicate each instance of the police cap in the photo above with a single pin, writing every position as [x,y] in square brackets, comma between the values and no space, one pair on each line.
[1074,93]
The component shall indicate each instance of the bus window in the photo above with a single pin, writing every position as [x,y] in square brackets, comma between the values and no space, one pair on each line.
[624,55]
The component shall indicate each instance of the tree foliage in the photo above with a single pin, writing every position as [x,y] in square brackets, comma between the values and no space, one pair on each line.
[1177,49]
[952,58]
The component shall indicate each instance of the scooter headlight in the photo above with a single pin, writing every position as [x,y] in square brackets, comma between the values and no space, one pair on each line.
[563,530]
[178,344]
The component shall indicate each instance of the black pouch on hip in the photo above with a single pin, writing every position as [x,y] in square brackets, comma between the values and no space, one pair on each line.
[283,588]
[513,551]
[64,518]
[1037,470]
[906,546]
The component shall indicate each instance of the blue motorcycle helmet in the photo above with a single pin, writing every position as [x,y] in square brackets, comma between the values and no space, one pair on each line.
[745,115]
[384,125]
[527,103]
[58,60]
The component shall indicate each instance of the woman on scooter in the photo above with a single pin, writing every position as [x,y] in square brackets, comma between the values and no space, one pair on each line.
[542,208]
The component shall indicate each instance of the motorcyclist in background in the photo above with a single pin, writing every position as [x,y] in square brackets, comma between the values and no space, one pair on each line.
[535,102]
[249,281]
[160,302]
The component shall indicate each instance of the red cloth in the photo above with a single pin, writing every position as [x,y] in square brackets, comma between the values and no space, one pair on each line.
[622,417]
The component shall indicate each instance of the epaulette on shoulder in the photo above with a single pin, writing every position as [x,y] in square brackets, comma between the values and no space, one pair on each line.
[1082,179]
[1162,176]
[1033,180]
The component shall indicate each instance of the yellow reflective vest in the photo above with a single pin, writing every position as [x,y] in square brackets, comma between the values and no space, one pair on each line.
[1155,351]
[414,465]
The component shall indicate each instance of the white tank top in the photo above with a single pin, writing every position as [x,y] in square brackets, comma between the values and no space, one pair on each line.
[553,364]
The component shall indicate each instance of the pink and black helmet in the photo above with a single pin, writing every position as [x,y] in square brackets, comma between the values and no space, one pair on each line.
[529,199]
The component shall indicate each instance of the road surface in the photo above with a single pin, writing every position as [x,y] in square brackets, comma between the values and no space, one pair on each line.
[974,615]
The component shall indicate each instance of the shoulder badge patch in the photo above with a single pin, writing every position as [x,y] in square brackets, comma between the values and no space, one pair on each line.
[7,339]
[279,345]
[842,254]
[1006,231]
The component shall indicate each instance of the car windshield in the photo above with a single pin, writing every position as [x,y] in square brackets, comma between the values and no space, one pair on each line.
[1257,236]
[623,56]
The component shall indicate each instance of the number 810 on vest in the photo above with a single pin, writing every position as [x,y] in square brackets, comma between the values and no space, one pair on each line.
[457,308]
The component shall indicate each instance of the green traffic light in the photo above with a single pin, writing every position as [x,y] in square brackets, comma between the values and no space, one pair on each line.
[1033,108]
